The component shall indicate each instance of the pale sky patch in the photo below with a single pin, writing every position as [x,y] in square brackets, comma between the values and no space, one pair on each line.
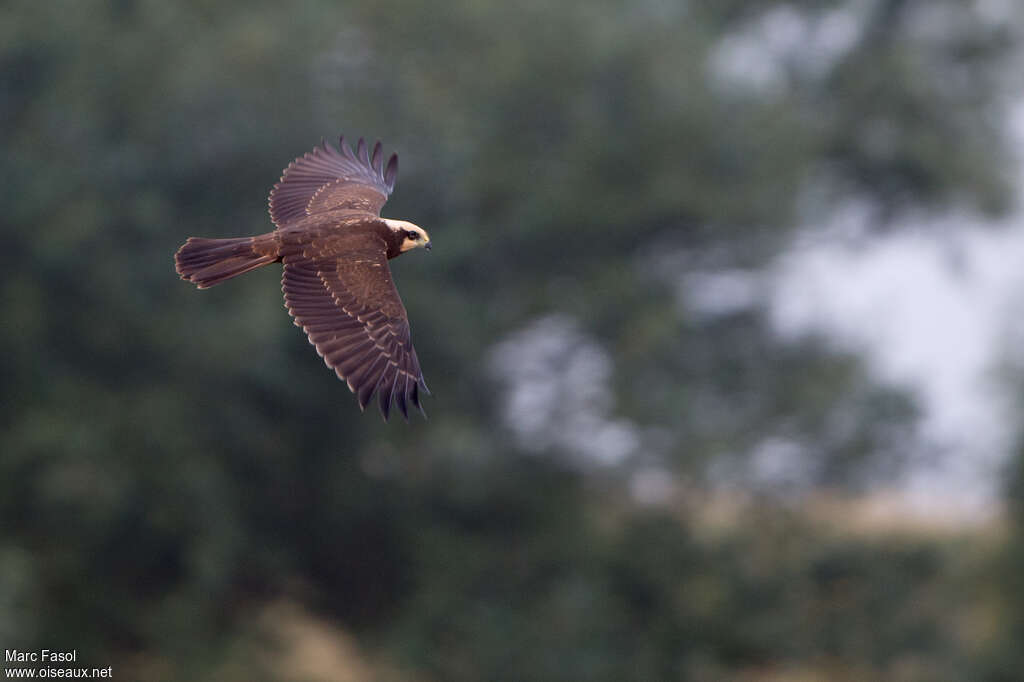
[557,393]
[930,307]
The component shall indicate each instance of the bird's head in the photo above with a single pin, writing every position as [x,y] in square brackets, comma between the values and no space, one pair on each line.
[413,236]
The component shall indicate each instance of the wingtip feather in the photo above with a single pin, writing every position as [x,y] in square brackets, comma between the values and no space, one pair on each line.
[400,397]
[378,157]
[344,148]
[361,152]
[391,172]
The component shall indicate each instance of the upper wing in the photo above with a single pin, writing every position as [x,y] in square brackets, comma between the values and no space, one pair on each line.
[350,309]
[328,178]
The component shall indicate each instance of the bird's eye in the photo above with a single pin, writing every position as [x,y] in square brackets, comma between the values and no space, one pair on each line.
[411,235]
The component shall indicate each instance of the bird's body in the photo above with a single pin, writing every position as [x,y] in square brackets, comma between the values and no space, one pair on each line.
[337,285]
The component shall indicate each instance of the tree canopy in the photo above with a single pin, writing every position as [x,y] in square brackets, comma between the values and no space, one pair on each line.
[176,461]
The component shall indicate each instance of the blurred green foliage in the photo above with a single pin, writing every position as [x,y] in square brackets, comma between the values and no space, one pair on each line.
[173,461]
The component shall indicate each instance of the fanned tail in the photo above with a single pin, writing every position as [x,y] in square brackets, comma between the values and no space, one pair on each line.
[206,262]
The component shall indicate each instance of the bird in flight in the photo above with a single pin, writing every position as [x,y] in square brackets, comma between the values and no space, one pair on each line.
[337,285]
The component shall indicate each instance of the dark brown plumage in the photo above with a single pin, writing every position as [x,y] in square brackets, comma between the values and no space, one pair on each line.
[337,285]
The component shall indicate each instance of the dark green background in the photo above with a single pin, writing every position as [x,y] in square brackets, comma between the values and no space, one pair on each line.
[188,494]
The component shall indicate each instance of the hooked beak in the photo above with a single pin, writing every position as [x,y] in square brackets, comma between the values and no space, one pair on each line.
[427,246]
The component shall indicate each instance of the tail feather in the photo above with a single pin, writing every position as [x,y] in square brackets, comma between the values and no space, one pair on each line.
[206,262]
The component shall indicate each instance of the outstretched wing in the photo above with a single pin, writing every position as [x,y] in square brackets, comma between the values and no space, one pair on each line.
[327,178]
[350,309]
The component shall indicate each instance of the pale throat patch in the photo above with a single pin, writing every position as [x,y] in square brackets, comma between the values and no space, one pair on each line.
[420,239]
